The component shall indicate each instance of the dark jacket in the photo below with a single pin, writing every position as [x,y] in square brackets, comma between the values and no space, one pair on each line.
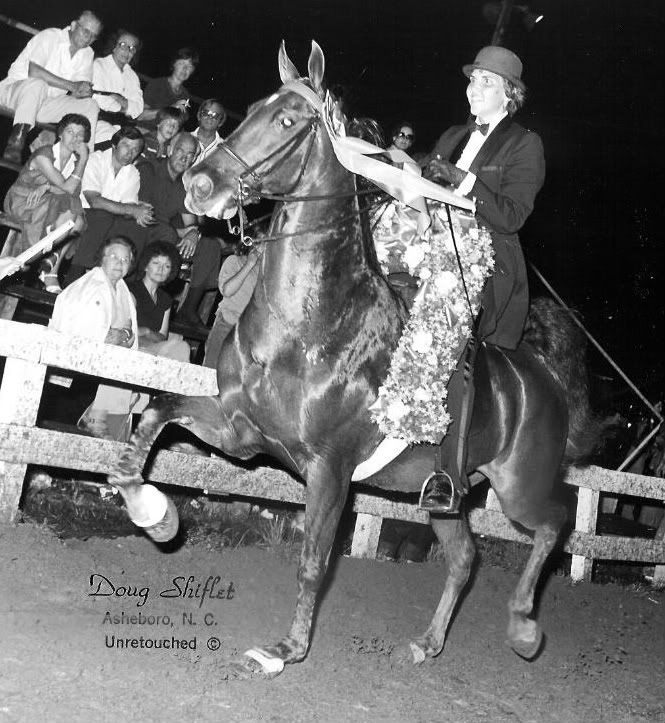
[510,170]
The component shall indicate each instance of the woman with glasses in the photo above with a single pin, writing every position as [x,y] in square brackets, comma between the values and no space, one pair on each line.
[100,306]
[403,137]
[114,75]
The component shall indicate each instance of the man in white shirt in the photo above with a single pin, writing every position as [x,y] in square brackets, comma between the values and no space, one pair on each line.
[113,74]
[53,63]
[110,195]
[211,117]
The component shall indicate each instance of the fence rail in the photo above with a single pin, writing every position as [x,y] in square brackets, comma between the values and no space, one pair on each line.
[31,349]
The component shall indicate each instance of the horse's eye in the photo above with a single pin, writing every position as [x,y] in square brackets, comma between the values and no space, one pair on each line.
[287,122]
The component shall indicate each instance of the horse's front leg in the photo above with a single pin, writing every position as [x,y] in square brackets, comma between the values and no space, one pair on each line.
[146,505]
[457,543]
[327,490]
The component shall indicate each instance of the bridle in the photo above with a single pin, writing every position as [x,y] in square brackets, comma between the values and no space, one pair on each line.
[250,180]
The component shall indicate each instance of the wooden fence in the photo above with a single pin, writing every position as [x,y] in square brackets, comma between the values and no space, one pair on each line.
[32,349]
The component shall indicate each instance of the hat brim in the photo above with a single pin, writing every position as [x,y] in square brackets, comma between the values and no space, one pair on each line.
[468,69]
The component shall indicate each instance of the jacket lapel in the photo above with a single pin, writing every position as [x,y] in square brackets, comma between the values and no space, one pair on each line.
[504,130]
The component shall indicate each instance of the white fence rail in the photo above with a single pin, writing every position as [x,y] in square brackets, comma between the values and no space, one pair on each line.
[30,349]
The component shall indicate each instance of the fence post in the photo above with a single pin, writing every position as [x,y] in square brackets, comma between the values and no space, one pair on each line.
[585,521]
[20,394]
[366,535]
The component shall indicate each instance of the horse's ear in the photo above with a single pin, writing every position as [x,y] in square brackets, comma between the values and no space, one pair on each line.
[287,70]
[316,66]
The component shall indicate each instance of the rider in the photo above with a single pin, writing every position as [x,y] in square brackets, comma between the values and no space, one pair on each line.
[502,166]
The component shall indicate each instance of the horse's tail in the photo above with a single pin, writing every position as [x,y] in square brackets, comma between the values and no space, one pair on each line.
[553,334]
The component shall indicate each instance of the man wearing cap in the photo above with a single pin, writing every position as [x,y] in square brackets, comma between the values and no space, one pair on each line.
[502,165]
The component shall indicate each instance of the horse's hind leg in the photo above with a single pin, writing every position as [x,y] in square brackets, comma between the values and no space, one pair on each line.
[146,505]
[459,550]
[524,634]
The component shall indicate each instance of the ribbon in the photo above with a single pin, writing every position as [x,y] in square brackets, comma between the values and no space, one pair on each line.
[404,183]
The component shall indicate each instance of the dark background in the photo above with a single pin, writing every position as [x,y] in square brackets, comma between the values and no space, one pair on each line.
[594,69]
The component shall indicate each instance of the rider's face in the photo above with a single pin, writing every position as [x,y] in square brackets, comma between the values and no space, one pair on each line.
[486,94]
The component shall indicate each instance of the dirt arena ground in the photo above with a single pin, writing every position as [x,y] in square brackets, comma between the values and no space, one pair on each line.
[604,659]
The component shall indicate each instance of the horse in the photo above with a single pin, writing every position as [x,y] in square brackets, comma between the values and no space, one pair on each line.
[302,366]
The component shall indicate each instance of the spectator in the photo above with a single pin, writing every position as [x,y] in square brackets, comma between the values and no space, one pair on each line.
[54,63]
[211,117]
[47,192]
[403,137]
[114,74]
[162,188]
[158,265]
[111,192]
[237,279]
[163,92]
[99,306]
[169,122]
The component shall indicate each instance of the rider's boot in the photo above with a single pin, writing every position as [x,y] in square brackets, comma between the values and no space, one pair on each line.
[444,489]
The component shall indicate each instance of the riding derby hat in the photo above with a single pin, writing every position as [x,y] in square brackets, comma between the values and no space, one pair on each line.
[498,60]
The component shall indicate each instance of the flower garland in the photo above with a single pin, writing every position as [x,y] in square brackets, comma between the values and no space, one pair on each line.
[411,402]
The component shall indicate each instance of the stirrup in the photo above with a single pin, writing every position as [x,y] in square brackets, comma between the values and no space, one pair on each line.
[439,494]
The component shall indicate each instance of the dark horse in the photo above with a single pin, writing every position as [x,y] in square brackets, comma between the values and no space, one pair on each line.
[297,375]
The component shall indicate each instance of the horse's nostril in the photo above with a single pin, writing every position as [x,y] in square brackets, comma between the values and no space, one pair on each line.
[201,187]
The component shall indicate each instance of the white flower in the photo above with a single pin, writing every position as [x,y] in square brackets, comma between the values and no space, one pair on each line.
[422,341]
[396,410]
[414,256]
[424,273]
[422,395]
[445,282]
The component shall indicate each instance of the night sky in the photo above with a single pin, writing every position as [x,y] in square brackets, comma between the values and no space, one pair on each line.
[594,69]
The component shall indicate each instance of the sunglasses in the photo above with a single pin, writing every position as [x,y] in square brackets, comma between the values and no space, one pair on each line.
[126,46]
[402,134]
[210,114]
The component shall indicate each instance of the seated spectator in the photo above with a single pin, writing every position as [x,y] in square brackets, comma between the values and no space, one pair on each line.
[169,123]
[163,92]
[114,75]
[47,191]
[162,188]
[51,77]
[99,306]
[158,265]
[111,194]
[237,279]
[211,117]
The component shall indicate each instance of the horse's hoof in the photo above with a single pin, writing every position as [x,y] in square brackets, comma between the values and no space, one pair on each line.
[418,653]
[167,527]
[529,650]
[257,663]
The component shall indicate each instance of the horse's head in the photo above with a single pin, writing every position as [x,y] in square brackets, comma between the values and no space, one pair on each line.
[270,151]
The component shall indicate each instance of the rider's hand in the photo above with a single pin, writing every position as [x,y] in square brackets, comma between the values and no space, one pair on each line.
[444,171]
[121,101]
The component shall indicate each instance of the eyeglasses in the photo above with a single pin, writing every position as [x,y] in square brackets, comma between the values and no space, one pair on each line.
[126,46]
[121,259]
[210,114]
[402,134]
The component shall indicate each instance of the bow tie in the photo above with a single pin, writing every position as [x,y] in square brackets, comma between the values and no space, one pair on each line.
[482,127]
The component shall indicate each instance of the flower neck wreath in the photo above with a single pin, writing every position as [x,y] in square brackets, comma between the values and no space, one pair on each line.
[411,402]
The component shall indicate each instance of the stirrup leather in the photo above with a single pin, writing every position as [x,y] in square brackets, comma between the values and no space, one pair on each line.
[439,494]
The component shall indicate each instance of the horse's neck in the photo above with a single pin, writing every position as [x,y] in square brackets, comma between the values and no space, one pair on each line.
[322,245]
